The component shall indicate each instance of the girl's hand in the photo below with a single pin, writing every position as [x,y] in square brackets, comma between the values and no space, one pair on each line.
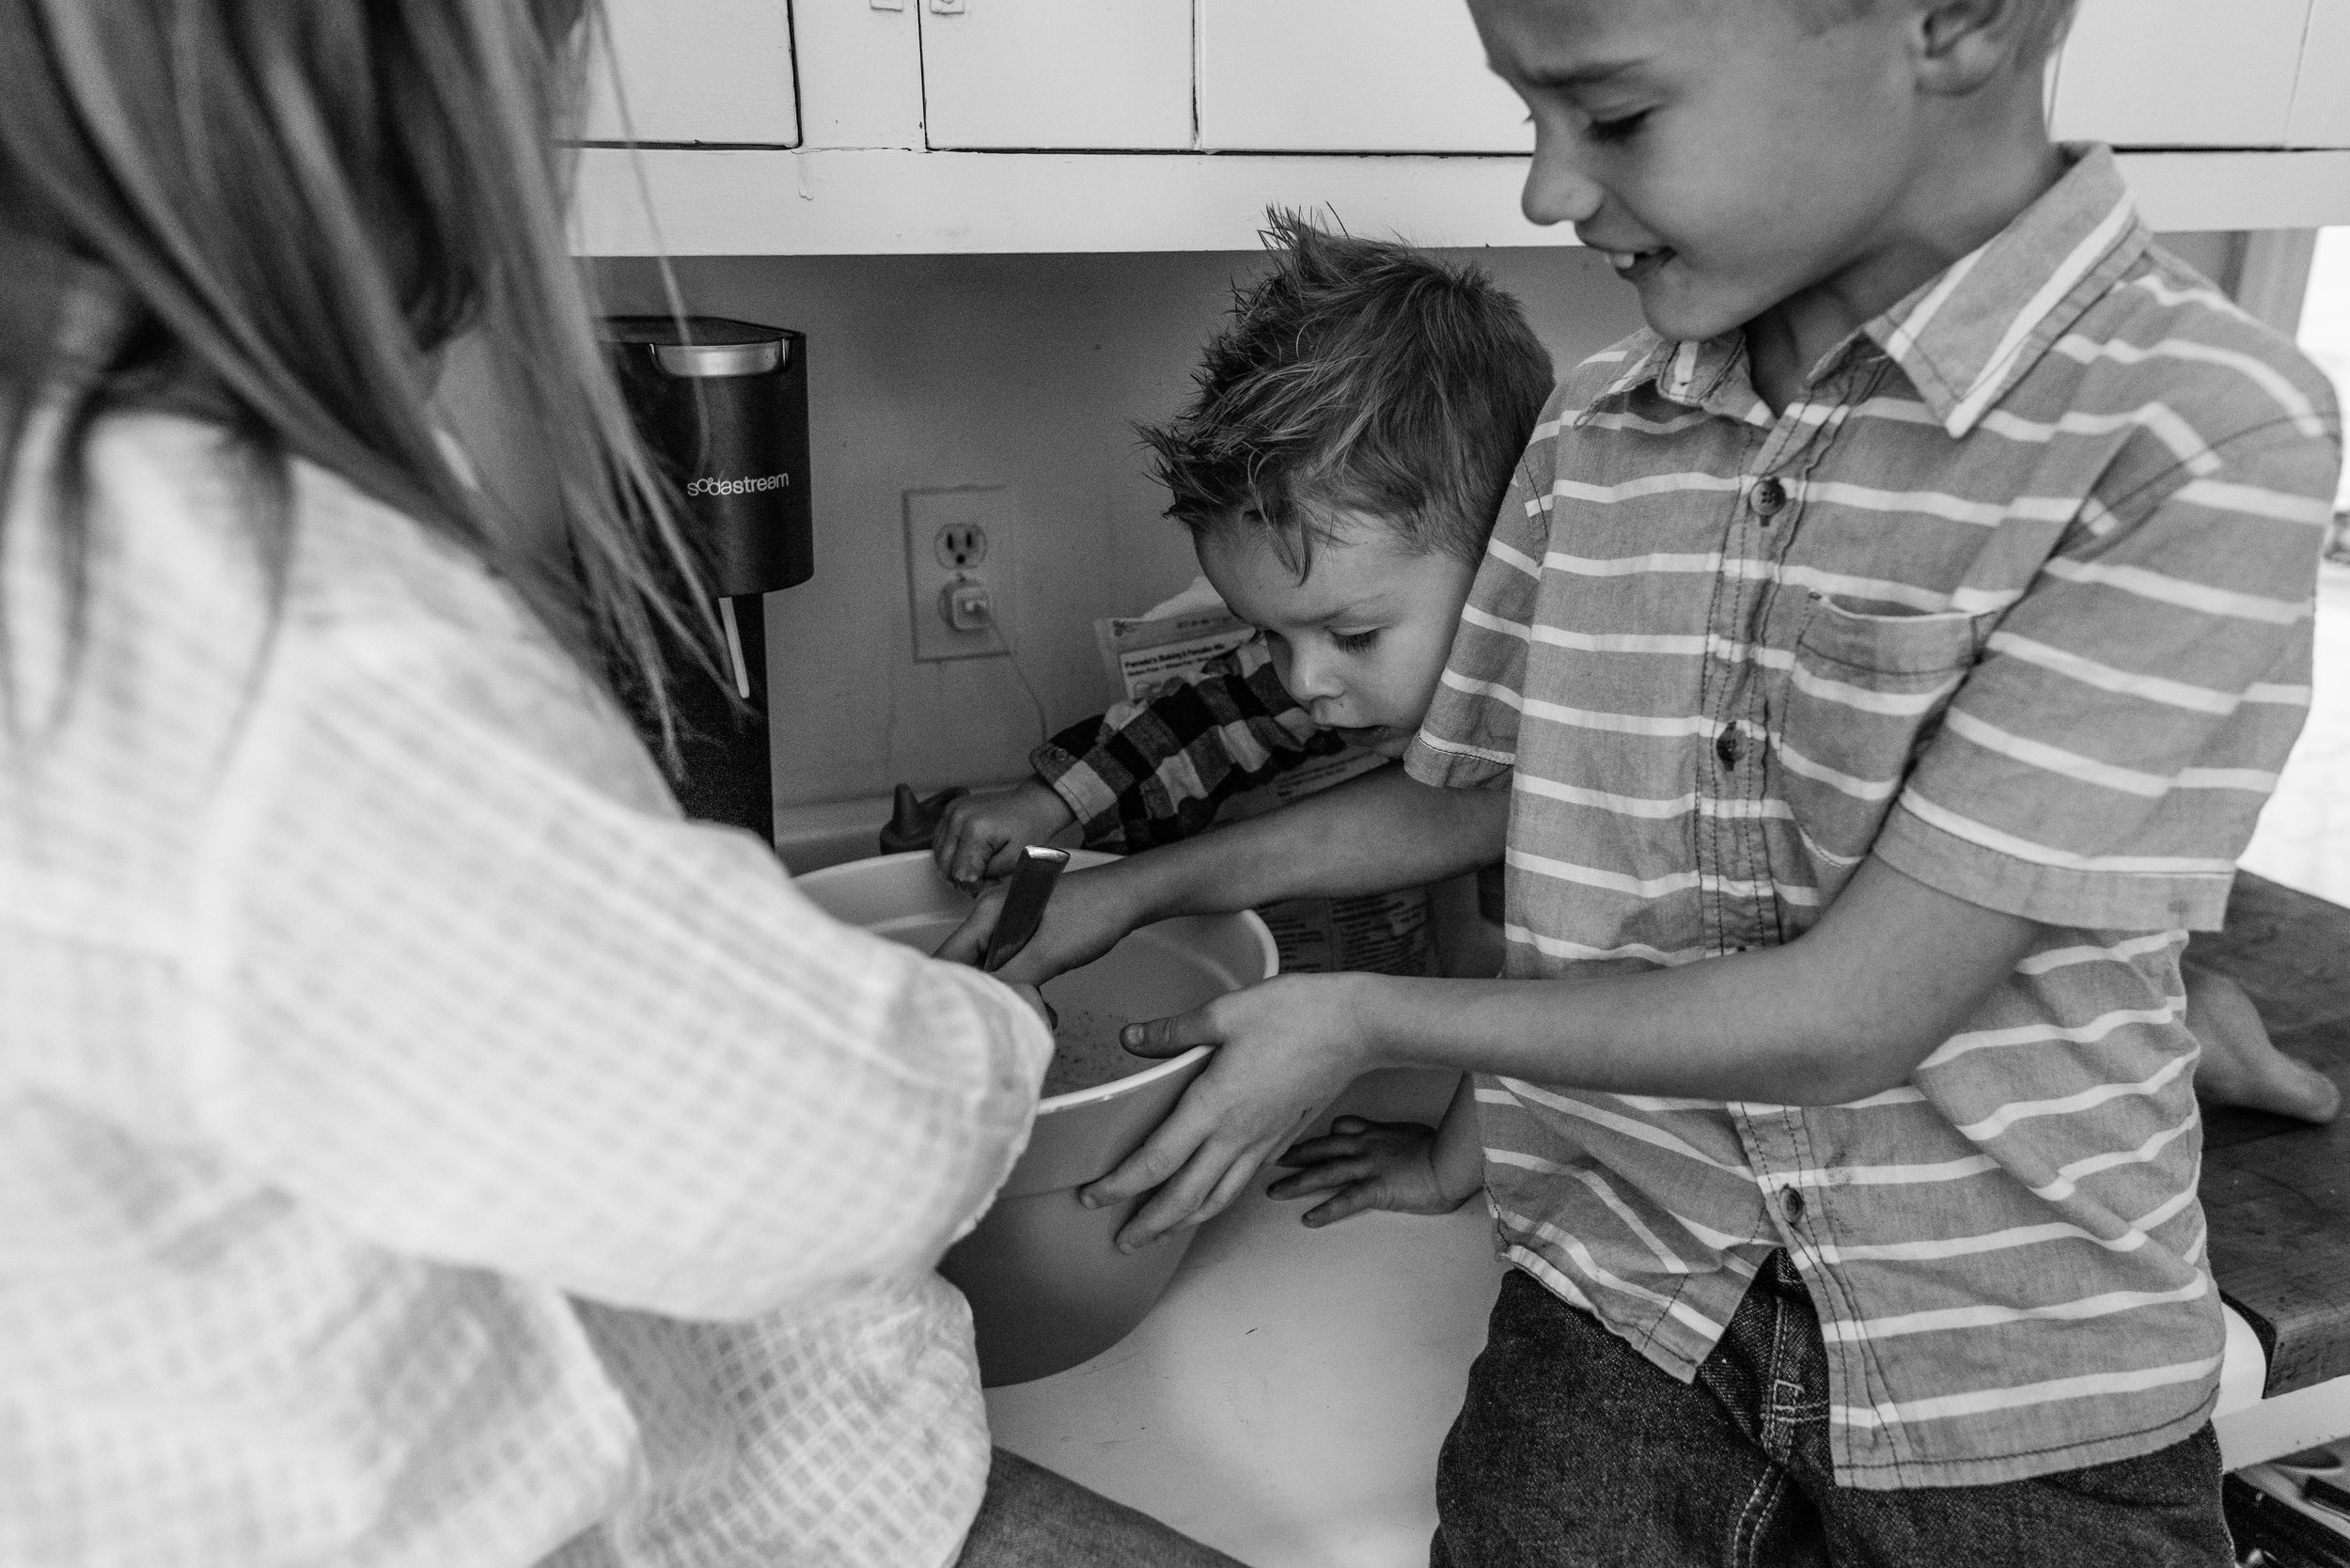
[1087,917]
[1367,1165]
[1285,1048]
[982,836]
[1038,1005]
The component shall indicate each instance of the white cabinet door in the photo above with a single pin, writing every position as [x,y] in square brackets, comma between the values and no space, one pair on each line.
[2321,100]
[696,70]
[1112,75]
[2181,72]
[1350,76]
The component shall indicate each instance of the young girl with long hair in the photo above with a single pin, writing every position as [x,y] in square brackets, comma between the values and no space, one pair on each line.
[417,1144]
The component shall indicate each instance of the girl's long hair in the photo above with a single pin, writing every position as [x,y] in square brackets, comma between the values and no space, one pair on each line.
[300,203]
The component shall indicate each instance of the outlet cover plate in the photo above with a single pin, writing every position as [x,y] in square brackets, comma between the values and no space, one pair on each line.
[931,512]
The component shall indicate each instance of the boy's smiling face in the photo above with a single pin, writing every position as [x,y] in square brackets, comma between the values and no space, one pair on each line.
[1738,158]
[1362,639]
[1723,153]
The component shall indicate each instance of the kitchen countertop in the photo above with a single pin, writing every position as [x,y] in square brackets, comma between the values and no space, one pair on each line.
[1285,1400]
[2276,1192]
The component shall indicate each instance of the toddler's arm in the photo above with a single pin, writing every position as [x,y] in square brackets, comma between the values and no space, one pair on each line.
[1369,835]
[1404,1165]
[982,836]
[1143,773]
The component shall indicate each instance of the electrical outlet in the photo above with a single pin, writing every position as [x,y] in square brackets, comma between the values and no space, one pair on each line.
[959,561]
[960,545]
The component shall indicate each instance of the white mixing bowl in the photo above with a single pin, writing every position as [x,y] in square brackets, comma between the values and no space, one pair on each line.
[1047,1285]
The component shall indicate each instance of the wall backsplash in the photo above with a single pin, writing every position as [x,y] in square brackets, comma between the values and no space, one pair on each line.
[1028,372]
[1024,371]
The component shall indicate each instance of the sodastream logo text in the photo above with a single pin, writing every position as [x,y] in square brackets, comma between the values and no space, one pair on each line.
[750,486]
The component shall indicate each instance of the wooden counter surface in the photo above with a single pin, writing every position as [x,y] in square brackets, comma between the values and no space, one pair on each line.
[2276,1192]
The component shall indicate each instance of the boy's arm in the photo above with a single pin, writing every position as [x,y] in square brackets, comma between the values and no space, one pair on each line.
[1847,1010]
[1153,773]
[1382,831]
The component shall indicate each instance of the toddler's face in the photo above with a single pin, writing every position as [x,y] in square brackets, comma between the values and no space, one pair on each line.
[1361,640]
[1721,155]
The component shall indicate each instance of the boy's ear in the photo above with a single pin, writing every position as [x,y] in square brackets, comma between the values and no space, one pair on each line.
[1959,45]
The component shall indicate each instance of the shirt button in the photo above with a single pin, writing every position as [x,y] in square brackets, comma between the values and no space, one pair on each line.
[1769,496]
[1726,747]
[1791,1203]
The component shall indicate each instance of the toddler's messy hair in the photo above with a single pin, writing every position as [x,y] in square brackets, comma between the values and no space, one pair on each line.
[1356,375]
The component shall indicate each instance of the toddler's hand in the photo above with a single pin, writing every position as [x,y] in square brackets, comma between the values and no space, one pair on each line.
[1367,1164]
[982,836]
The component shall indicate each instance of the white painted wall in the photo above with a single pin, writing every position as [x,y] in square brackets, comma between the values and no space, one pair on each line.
[2303,840]
[2326,319]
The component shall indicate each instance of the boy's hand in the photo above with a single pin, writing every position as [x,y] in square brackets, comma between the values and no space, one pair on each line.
[982,836]
[1367,1165]
[1285,1047]
[1087,917]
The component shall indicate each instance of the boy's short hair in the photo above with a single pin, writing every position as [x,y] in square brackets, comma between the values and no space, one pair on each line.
[2045,29]
[1356,375]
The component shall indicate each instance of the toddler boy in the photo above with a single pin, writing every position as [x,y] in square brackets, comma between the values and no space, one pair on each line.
[1361,411]
[1873,675]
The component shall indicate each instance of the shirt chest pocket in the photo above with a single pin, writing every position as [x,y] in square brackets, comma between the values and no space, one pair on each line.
[1864,692]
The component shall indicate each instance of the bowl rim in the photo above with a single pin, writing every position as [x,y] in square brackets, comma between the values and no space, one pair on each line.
[1080,859]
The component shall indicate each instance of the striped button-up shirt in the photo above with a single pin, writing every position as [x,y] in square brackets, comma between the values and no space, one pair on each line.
[2014,596]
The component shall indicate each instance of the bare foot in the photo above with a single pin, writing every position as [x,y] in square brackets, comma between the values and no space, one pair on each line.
[2240,1066]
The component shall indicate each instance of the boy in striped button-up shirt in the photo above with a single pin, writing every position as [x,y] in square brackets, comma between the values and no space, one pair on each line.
[1873,678]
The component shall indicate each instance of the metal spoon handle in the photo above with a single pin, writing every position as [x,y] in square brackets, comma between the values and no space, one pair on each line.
[1023,906]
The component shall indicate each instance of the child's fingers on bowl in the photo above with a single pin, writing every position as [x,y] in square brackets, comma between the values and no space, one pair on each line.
[1230,1185]
[1321,1177]
[1179,1197]
[955,859]
[1162,1155]
[966,846]
[1320,1150]
[1353,1201]
[1168,1036]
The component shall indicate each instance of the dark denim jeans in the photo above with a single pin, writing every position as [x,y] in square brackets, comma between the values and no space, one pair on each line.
[1033,1517]
[1572,1450]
